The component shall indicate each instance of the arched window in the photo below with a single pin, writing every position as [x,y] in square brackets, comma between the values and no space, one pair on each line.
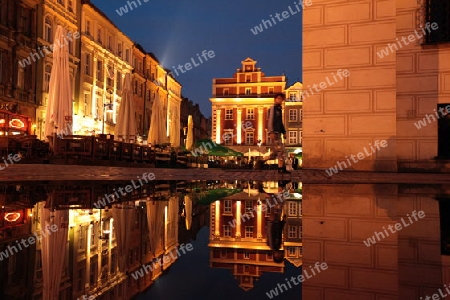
[48,33]
[48,70]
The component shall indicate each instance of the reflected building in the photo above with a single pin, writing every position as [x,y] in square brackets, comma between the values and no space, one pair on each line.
[239,235]
[407,263]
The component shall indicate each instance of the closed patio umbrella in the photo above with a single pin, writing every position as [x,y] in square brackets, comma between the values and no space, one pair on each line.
[157,133]
[126,121]
[59,108]
[190,133]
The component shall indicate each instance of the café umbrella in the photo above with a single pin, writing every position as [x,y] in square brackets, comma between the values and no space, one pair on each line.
[59,108]
[125,128]
[190,133]
[157,133]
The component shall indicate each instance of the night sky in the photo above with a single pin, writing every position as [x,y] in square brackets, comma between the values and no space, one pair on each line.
[175,31]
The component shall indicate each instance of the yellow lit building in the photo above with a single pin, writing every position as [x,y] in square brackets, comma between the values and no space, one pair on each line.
[293,116]
[240,106]
[106,56]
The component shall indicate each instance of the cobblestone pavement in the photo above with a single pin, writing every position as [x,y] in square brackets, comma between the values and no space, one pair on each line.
[38,172]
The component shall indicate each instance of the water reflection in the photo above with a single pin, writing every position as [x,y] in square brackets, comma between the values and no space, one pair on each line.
[251,240]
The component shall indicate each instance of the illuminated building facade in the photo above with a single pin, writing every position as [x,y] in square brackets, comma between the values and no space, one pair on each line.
[293,116]
[106,56]
[398,76]
[18,38]
[240,106]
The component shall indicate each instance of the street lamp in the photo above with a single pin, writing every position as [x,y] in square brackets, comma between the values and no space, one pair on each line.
[107,107]
[259,143]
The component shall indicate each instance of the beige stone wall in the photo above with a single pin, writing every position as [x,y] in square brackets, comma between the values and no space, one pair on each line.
[351,112]
[423,81]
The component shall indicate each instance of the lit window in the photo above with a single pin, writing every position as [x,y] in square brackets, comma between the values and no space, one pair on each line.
[292,209]
[292,232]
[292,97]
[227,231]
[48,35]
[292,137]
[292,115]
[87,69]
[99,70]
[228,114]
[250,113]
[249,231]
[249,138]
[300,117]
[227,207]
[248,206]
[291,251]
[228,137]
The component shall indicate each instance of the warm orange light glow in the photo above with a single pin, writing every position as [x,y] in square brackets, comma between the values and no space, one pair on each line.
[2,121]
[16,123]
[12,217]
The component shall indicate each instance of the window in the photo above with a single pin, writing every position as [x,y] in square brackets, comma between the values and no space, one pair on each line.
[127,55]
[225,92]
[292,232]
[292,115]
[248,231]
[300,229]
[227,231]
[438,11]
[246,255]
[248,206]
[70,6]
[246,269]
[271,90]
[249,138]
[110,43]
[292,209]
[81,240]
[228,114]
[87,108]
[228,137]
[48,35]
[99,35]
[300,115]
[119,81]
[291,251]
[300,211]
[93,240]
[227,207]
[300,137]
[223,253]
[87,68]
[248,91]
[269,256]
[292,97]
[61,2]
[80,285]
[88,27]
[47,74]
[248,78]
[99,70]
[119,50]
[92,273]
[21,77]
[250,113]
[292,137]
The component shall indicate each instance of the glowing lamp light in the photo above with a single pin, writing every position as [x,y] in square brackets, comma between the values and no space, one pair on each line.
[12,217]
[2,121]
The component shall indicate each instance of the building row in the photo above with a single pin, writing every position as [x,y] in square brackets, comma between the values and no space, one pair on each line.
[100,55]
[240,109]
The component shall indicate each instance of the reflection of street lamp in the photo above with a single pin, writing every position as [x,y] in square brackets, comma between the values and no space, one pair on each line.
[184,135]
[107,107]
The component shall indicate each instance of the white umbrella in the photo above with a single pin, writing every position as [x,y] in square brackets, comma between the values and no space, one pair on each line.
[157,133]
[126,121]
[188,211]
[59,107]
[174,130]
[123,223]
[155,222]
[53,250]
[190,133]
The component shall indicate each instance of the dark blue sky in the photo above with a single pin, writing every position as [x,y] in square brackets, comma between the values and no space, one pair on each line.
[175,31]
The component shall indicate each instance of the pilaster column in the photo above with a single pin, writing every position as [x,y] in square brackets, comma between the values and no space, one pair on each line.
[260,123]
[238,219]
[218,125]
[217,219]
[238,126]
[259,221]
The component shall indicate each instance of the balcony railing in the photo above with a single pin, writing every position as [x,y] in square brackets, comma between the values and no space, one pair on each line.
[438,11]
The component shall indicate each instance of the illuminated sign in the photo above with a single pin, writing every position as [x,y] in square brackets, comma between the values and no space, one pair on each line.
[16,123]
[12,217]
